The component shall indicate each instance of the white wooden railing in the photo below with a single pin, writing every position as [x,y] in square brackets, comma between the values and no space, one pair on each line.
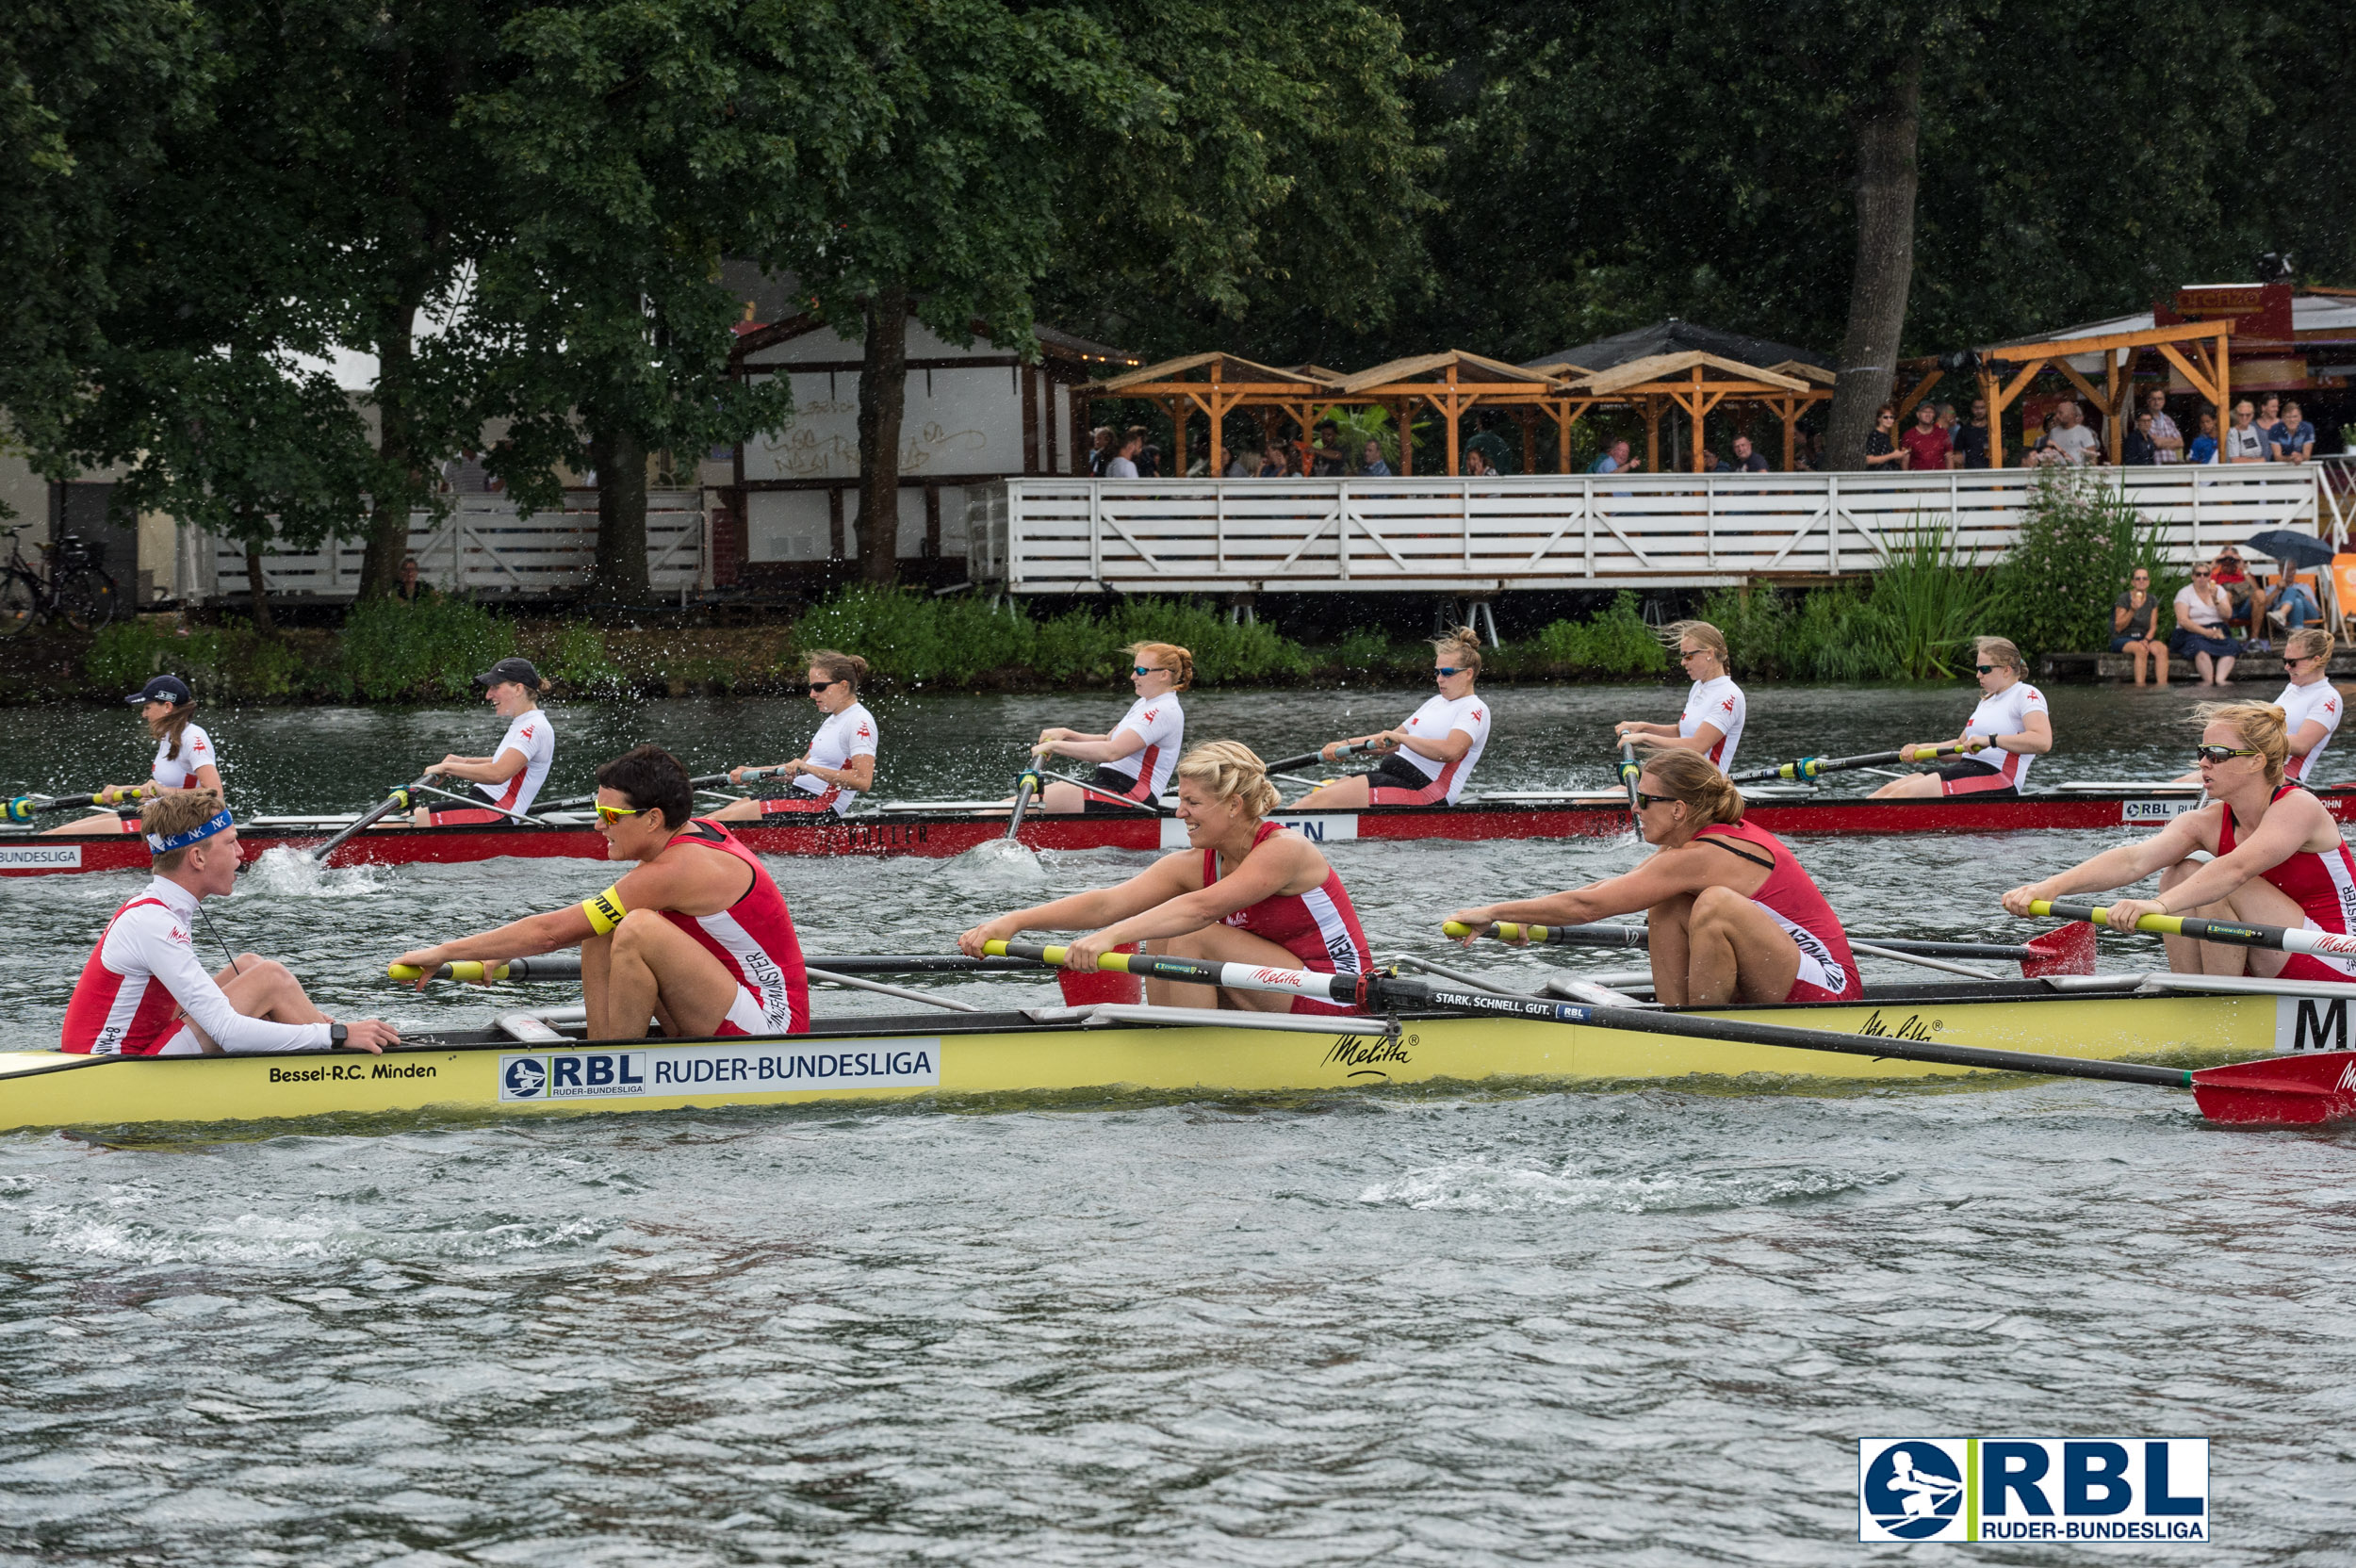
[1458,536]
[483,548]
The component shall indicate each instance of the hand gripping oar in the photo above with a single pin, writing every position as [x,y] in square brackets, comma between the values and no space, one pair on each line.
[2281,1091]
[396,801]
[1311,759]
[702,781]
[1630,773]
[1813,767]
[566,966]
[24,807]
[2066,950]
[2281,939]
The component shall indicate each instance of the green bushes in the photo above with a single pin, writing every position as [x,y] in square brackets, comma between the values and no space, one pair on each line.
[2079,544]
[1616,642]
[397,652]
[230,661]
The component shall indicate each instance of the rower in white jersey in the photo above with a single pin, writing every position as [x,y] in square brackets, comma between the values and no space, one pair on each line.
[2311,705]
[840,766]
[185,758]
[1715,709]
[1134,757]
[2010,727]
[1430,757]
[509,780]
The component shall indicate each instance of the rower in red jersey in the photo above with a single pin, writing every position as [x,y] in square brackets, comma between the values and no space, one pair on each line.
[697,938]
[1732,915]
[2279,859]
[1246,892]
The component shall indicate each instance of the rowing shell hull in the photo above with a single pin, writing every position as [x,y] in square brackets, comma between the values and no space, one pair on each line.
[941,835]
[1004,1055]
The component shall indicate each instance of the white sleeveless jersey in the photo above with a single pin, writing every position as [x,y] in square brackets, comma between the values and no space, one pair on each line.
[196,751]
[2319,702]
[2006,713]
[1162,724]
[844,735]
[1721,705]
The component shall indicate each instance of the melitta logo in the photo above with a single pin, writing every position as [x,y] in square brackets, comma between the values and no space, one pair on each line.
[1292,979]
[2148,1489]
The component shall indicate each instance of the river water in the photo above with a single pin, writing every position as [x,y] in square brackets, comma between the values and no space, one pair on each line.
[1626,1327]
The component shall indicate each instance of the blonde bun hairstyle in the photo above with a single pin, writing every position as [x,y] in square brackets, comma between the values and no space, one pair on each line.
[839,666]
[2001,652]
[1167,656]
[1694,779]
[1460,647]
[1229,769]
[2264,729]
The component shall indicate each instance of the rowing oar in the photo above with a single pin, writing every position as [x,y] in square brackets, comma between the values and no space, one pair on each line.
[702,781]
[396,801]
[2325,944]
[1814,767]
[566,966]
[24,807]
[1630,773]
[2278,1091]
[2066,950]
[1311,759]
[1026,788]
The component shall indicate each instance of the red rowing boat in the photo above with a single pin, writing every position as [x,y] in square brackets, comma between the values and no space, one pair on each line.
[939,833]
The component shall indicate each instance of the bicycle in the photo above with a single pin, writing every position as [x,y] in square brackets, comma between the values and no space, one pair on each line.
[76,587]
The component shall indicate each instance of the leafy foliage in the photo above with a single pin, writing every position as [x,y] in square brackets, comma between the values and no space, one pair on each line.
[228,661]
[1615,643]
[2079,544]
[433,648]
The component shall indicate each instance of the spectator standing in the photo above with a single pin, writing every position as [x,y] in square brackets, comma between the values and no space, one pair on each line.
[412,591]
[1100,450]
[1882,455]
[1147,457]
[2071,438]
[1747,459]
[2269,411]
[1713,464]
[2135,627]
[1477,462]
[2138,451]
[1947,421]
[2203,447]
[1614,460]
[2203,611]
[1491,446]
[1243,465]
[1200,466]
[1969,446]
[2167,440]
[1371,460]
[2245,442]
[1325,454]
[2293,437]
[1279,464]
[1122,464]
[1926,444]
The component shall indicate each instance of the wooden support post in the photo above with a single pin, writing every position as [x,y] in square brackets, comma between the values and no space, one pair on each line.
[1652,434]
[1176,466]
[1453,410]
[1995,420]
[1522,416]
[1402,419]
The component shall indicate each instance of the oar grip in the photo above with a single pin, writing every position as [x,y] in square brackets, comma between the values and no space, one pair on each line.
[469,970]
[2099,915]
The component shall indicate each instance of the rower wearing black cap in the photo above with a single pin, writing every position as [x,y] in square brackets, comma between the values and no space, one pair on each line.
[185,758]
[509,780]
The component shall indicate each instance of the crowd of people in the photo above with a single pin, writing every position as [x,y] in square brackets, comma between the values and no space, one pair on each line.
[2221,613]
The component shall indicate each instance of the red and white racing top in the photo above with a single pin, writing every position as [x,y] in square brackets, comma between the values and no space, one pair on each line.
[2318,701]
[754,941]
[196,751]
[532,733]
[1319,927]
[2322,884]
[2006,713]
[1827,967]
[1162,724]
[844,735]
[1434,720]
[1721,705]
[143,971]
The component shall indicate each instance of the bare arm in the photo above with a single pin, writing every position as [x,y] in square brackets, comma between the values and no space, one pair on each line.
[1444,748]
[1285,864]
[2307,737]
[1165,879]
[1665,874]
[2122,865]
[1703,738]
[483,770]
[1101,748]
[1626,727]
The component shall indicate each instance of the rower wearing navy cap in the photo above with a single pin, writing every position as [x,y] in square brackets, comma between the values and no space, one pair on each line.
[509,780]
[142,993]
[185,758]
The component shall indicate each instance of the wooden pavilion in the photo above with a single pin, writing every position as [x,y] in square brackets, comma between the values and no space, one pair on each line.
[1453,382]
[1696,383]
[1217,384]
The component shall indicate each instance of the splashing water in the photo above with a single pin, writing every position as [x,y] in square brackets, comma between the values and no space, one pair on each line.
[1001,862]
[291,872]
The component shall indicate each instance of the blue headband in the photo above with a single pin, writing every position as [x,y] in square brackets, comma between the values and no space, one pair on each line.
[219,823]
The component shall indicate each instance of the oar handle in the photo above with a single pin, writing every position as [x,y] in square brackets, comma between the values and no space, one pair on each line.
[1816,767]
[1570,936]
[2230,932]
[24,807]
[1349,989]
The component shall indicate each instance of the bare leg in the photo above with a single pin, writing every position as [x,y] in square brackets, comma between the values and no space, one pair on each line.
[1343,794]
[2207,666]
[2255,902]
[1738,949]
[652,969]
[2160,654]
[104,822]
[1920,786]
[1221,944]
[1672,964]
[737,810]
[260,988]
[2225,668]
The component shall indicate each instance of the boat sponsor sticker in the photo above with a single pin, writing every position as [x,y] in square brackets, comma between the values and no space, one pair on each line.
[41,856]
[2151,1490]
[756,1067]
[1319,827]
[2165,809]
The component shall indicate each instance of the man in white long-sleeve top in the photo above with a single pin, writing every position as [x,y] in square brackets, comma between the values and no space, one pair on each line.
[142,993]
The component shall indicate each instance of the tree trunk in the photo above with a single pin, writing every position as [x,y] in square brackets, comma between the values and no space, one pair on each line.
[619,576]
[1887,175]
[883,377]
[396,488]
[256,590]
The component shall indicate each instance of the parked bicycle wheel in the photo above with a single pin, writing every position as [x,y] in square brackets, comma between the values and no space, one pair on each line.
[87,598]
[20,603]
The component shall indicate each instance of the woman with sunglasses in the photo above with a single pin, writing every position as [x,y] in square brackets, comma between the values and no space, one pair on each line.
[2310,703]
[185,758]
[1432,755]
[1882,454]
[2204,617]
[2271,854]
[1732,915]
[840,766]
[1133,759]
[1715,709]
[2011,725]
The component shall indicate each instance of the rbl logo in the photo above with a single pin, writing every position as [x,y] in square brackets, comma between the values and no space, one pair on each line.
[2033,1489]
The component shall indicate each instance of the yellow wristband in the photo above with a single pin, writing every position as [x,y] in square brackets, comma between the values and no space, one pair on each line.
[604,911]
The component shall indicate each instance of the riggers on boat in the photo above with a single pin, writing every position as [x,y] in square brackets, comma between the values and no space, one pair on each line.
[946,828]
[526,1066]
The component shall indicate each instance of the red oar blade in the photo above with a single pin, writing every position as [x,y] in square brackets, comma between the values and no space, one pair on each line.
[2065,950]
[2281,1091]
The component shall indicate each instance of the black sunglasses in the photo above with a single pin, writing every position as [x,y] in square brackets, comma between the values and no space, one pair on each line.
[1444,671]
[1645,801]
[2220,754]
[1986,669]
[816,686]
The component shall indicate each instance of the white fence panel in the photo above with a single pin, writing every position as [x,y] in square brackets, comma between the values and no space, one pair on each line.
[484,548]
[1061,536]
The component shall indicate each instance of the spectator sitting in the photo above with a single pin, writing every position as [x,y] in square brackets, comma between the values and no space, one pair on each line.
[1713,464]
[2166,438]
[2293,438]
[1280,462]
[2245,442]
[412,591]
[1477,462]
[2288,600]
[1970,441]
[2139,449]
[2203,447]
[1881,455]
[2076,443]
[1325,456]
[1122,464]
[1746,457]
[2249,598]
[1243,465]
[1926,444]
[1371,460]
[2203,613]
[1614,459]
[1100,450]
[1490,445]
[2134,627]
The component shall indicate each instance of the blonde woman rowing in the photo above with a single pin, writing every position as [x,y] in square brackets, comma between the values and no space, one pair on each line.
[1714,708]
[1134,758]
[1432,754]
[2011,725]
[1243,891]
[1733,916]
[840,766]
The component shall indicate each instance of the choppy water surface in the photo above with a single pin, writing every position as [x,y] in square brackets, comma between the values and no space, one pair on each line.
[1630,1328]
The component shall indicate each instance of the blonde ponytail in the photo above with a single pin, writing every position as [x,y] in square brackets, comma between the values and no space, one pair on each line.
[1229,769]
[2264,729]
[1693,779]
